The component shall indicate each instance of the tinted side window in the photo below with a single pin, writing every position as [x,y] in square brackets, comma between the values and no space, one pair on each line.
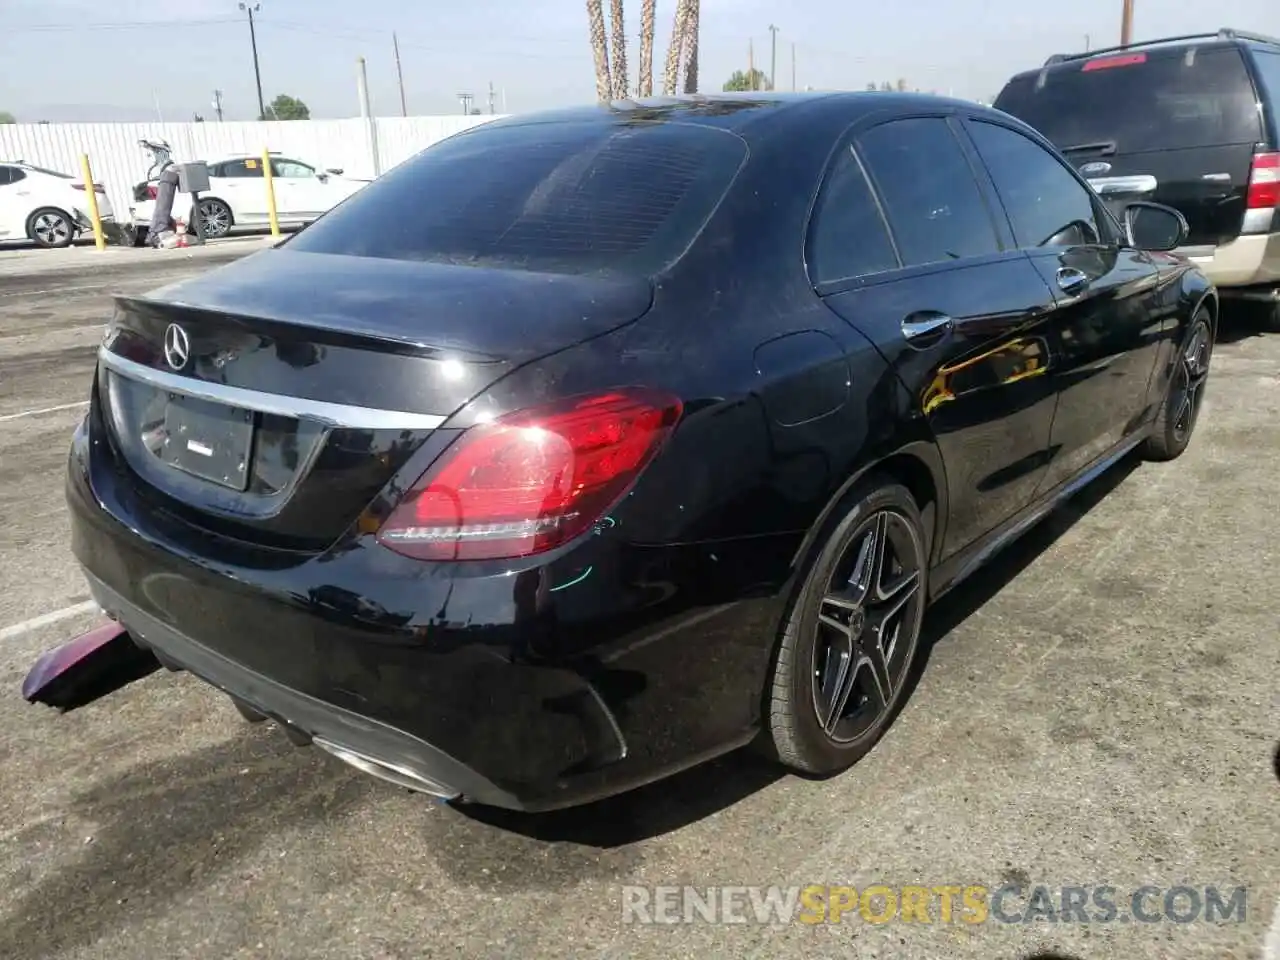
[848,237]
[4,176]
[1047,206]
[932,201]
[1269,73]
[242,168]
[16,174]
[292,169]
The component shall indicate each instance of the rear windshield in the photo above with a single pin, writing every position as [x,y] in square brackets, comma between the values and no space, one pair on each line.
[1164,101]
[571,197]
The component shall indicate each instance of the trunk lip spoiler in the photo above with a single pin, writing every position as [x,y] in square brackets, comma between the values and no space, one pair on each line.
[337,415]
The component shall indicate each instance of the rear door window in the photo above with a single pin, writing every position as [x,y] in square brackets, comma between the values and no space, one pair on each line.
[933,203]
[250,167]
[847,237]
[570,197]
[1164,100]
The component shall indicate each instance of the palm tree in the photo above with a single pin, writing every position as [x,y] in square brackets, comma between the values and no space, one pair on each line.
[672,73]
[619,51]
[691,46]
[647,16]
[600,49]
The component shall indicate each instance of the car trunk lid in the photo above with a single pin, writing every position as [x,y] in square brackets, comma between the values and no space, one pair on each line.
[273,399]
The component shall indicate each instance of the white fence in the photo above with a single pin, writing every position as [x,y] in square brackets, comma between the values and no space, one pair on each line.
[119,163]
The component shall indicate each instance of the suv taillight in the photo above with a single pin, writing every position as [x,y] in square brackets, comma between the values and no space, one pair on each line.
[531,481]
[1264,181]
[97,188]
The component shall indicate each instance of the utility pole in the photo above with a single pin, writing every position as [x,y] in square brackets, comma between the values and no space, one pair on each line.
[1126,24]
[773,58]
[465,99]
[793,67]
[751,63]
[490,98]
[1087,47]
[395,45]
[249,8]
[217,103]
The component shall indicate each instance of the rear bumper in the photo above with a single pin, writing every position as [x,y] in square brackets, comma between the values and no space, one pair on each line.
[434,771]
[1245,261]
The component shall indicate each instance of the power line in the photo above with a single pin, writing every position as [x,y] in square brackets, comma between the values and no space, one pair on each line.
[117,25]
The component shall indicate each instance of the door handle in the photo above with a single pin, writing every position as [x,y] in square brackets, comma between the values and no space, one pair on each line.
[924,327]
[1072,281]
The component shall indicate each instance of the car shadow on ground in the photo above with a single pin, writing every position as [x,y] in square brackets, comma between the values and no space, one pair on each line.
[1242,320]
[698,793]
[162,830]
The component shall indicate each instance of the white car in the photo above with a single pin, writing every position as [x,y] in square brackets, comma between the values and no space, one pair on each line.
[45,206]
[237,195]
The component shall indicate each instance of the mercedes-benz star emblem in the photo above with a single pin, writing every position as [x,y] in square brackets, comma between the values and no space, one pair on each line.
[177,346]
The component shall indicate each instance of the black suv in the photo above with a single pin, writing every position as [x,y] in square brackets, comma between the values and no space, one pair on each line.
[1192,122]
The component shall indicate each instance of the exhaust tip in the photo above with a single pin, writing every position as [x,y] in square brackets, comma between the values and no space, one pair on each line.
[390,772]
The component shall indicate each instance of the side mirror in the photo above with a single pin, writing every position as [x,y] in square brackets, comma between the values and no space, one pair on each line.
[1153,226]
[336,171]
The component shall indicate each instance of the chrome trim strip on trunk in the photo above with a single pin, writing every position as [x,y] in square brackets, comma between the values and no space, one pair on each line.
[1143,183]
[332,414]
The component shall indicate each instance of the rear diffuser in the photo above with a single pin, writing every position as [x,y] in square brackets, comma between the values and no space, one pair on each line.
[88,668]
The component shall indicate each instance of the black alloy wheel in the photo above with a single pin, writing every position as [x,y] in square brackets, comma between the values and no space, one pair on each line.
[858,661]
[1177,420]
[848,647]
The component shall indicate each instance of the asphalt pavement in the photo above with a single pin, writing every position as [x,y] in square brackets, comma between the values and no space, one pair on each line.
[1098,708]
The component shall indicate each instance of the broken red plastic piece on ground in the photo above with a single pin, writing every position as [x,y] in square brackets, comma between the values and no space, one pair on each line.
[87,668]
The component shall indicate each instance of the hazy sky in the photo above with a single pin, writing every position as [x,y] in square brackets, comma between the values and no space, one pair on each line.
[115,60]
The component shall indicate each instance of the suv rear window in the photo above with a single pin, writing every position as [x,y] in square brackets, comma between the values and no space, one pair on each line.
[570,197]
[1170,100]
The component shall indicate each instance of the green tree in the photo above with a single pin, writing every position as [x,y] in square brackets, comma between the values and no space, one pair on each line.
[7,117]
[285,107]
[741,80]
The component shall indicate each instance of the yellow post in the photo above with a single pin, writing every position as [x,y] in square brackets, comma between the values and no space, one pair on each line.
[271,193]
[95,218]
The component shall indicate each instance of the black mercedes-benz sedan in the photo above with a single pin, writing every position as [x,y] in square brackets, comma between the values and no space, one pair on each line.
[587,445]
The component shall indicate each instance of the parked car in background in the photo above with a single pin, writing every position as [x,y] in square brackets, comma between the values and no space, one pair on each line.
[585,446]
[237,194]
[44,206]
[1191,121]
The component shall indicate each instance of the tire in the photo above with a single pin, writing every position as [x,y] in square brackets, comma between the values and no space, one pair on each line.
[51,228]
[140,236]
[215,218]
[1270,320]
[1180,410]
[808,729]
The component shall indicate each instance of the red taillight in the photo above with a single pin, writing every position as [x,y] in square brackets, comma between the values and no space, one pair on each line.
[152,192]
[97,188]
[1123,60]
[1264,181]
[531,481]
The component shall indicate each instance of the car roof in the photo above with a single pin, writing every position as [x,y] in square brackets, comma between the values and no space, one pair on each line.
[748,114]
[1225,37]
